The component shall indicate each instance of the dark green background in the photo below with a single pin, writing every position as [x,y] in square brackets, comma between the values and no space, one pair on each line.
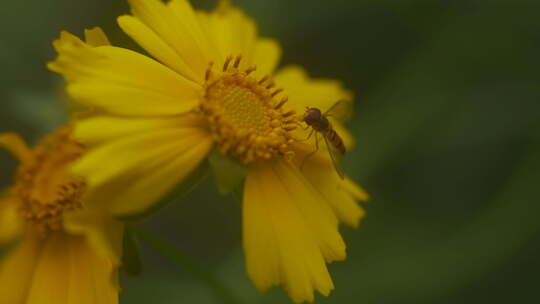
[447,126]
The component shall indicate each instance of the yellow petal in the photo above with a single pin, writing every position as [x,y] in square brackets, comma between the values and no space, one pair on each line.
[96,37]
[307,92]
[17,269]
[16,145]
[184,12]
[91,131]
[150,187]
[355,190]
[266,56]
[102,231]
[130,181]
[49,283]
[135,154]
[121,81]
[230,31]
[11,221]
[261,245]
[156,46]
[289,232]
[118,99]
[341,195]
[92,279]
[176,26]
[68,271]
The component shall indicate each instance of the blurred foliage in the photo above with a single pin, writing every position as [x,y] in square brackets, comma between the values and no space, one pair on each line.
[448,129]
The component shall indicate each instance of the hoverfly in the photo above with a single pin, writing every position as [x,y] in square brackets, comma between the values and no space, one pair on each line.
[319,123]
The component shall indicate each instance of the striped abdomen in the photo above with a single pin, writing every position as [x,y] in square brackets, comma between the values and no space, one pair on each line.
[335,139]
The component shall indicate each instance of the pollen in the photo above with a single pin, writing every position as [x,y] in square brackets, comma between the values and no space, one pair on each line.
[246,114]
[44,187]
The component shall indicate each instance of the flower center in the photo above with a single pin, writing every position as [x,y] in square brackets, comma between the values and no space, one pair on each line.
[44,186]
[247,119]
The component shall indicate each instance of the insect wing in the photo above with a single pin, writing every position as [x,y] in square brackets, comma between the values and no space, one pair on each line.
[335,155]
[342,110]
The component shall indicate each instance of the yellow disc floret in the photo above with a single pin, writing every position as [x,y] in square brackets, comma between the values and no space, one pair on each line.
[44,187]
[247,120]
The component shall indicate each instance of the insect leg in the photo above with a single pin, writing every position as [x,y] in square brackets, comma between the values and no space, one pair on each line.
[312,153]
[309,135]
[300,125]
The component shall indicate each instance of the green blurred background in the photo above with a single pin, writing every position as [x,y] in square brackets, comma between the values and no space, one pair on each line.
[448,129]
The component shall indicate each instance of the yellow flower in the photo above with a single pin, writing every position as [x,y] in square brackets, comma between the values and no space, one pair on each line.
[48,259]
[209,86]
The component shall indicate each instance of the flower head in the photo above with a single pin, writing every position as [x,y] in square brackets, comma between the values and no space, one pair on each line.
[212,85]
[48,259]
[246,119]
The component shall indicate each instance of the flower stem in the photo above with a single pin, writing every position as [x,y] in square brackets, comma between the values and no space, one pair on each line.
[184,262]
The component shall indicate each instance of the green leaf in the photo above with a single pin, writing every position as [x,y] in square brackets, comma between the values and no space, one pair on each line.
[131,258]
[174,196]
[229,173]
